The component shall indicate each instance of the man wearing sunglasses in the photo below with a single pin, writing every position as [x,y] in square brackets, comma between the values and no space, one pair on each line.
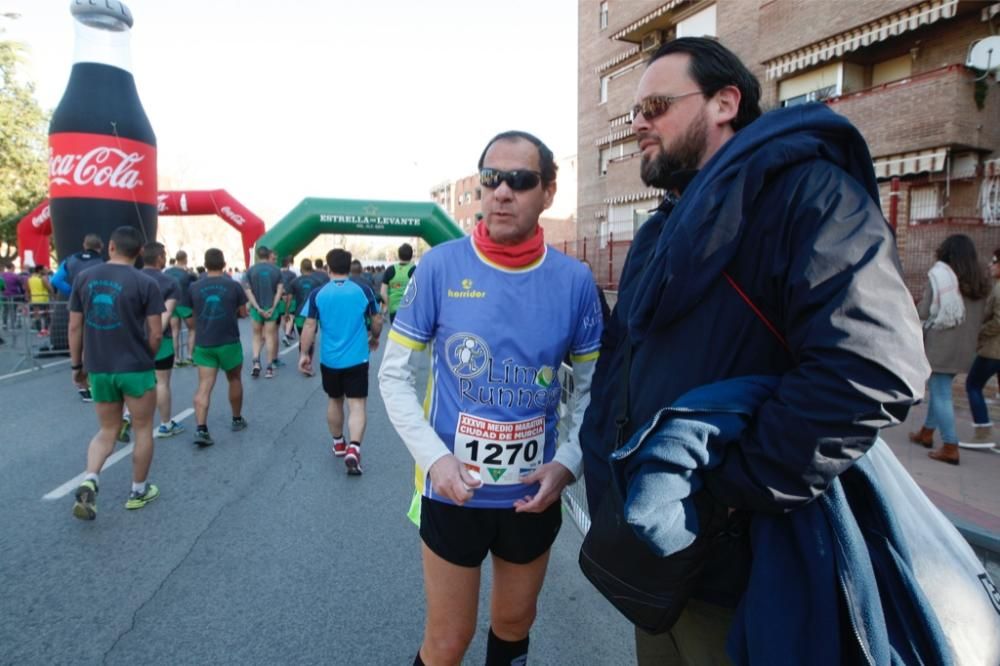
[770,231]
[500,311]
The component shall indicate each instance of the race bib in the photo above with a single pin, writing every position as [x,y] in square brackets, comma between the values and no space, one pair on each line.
[500,451]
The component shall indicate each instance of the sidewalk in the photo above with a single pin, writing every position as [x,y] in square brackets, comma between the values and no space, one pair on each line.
[969,494]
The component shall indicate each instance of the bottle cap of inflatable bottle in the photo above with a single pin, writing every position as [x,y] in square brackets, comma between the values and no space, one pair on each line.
[104,14]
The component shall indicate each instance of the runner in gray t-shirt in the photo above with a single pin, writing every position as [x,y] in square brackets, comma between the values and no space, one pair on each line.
[115,301]
[263,287]
[154,258]
[115,326]
[184,277]
[288,275]
[218,302]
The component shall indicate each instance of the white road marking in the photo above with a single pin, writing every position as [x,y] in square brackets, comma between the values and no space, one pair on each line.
[65,488]
[183,415]
[71,485]
[24,372]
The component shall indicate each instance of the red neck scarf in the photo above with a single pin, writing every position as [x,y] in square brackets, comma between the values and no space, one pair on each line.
[509,256]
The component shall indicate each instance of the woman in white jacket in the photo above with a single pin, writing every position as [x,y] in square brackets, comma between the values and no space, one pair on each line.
[952,310]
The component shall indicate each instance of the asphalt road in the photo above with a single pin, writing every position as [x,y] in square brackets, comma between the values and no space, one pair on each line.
[260,549]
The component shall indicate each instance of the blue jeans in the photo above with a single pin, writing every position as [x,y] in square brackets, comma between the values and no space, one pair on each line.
[983,369]
[940,410]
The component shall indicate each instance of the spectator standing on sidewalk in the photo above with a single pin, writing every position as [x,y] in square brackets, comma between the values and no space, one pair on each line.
[3,289]
[987,362]
[766,218]
[40,293]
[13,294]
[951,309]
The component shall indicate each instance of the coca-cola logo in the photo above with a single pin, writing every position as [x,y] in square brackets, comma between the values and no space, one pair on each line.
[40,219]
[236,218]
[101,166]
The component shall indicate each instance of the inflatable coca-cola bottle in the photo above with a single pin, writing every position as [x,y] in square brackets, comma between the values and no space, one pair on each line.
[102,164]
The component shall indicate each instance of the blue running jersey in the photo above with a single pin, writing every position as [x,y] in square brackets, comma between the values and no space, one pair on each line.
[498,337]
[343,309]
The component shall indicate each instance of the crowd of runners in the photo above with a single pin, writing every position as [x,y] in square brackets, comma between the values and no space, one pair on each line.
[125,339]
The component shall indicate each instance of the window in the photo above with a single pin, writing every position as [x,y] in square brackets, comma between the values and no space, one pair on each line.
[479,194]
[604,158]
[624,219]
[629,148]
[989,200]
[604,15]
[924,203]
[604,89]
[829,81]
[701,24]
[611,153]
[817,95]
[892,70]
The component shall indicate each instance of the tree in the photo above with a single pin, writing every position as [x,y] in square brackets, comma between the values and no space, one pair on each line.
[23,145]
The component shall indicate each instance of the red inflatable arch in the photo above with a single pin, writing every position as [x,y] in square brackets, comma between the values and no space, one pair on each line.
[33,233]
[35,228]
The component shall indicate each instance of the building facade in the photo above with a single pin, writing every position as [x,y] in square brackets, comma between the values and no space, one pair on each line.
[895,68]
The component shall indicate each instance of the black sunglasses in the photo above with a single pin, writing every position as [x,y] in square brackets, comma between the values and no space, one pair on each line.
[655,106]
[518,180]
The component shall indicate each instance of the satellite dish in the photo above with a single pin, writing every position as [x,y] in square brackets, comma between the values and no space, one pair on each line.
[984,55]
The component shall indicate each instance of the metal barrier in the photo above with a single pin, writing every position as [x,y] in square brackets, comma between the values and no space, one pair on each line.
[31,332]
[575,495]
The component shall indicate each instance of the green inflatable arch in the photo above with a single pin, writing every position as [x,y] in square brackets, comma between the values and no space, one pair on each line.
[313,217]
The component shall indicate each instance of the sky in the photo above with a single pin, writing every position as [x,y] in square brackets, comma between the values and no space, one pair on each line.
[378,99]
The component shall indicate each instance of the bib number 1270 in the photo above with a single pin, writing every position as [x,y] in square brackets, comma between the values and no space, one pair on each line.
[501,451]
[509,454]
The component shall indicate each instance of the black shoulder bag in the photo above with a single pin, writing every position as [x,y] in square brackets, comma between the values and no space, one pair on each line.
[649,590]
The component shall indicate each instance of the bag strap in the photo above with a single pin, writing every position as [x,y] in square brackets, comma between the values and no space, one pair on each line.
[760,315]
[621,418]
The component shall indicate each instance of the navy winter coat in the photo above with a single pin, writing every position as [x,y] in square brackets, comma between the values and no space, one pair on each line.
[789,208]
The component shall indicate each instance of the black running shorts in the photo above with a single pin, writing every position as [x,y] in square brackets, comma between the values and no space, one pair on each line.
[352,381]
[463,536]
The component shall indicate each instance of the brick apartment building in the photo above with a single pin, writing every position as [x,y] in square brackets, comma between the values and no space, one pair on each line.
[895,68]
[462,198]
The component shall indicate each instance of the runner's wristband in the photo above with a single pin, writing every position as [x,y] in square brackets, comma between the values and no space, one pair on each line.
[76,367]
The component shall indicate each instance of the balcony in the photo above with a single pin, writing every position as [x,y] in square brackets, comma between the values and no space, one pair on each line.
[660,18]
[927,110]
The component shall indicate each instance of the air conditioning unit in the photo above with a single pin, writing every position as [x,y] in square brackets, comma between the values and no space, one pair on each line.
[652,41]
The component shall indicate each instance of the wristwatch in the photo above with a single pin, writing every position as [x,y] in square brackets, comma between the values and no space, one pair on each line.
[76,367]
